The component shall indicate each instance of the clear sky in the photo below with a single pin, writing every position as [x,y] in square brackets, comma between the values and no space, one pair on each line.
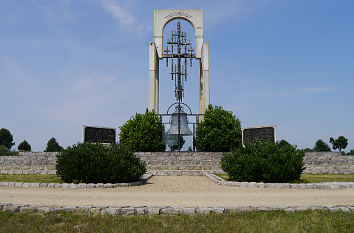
[69,63]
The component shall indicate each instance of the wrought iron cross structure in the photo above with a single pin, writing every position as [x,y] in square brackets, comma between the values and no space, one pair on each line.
[179,49]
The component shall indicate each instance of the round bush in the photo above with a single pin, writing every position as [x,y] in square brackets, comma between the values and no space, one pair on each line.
[143,132]
[95,163]
[264,161]
[219,131]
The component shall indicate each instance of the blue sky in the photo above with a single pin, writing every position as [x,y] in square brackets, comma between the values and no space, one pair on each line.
[68,63]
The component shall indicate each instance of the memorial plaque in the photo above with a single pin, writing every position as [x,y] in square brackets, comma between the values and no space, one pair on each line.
[266,133]
[99,134]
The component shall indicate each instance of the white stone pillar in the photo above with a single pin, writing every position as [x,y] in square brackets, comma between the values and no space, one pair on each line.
[157,90]
[153,78]
[201,88]
[205,72]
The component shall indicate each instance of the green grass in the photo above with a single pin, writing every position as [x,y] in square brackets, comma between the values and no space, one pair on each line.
[271,221]
[31,178]
[314,178]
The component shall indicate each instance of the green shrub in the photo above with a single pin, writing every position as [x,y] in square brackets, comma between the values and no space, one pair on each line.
[264,161]
[143,132]
[4,151]
[6,138]
[53,146]
[95,163]
[219,131]
[24,146]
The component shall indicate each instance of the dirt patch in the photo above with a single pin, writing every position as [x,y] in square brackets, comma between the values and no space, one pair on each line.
[177,191]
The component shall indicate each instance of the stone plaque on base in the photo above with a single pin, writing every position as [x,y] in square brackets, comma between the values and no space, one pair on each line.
[99,134]
[264,133]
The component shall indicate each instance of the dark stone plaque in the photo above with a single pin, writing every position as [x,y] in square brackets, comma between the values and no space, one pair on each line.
[102,135]
[260,134]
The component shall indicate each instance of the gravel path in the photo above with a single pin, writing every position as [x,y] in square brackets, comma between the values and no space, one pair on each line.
[177,191]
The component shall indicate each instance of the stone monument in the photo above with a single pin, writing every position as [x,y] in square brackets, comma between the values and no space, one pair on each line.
[263,133]
[96,134]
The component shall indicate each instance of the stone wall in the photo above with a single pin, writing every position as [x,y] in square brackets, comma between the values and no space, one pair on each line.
[181,163]
[174,163]
[29,163]
[328,163]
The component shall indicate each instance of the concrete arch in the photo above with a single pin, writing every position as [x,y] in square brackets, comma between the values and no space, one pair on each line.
[193,16]
[177,18]
[161,18]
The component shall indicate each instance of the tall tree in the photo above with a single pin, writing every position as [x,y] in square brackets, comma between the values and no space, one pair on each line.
[6,138]
[321,146]
[53,146]
[24,146]
[283,143]
[340,143]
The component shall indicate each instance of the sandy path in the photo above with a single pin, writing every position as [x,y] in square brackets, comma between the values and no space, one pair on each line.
[177,191]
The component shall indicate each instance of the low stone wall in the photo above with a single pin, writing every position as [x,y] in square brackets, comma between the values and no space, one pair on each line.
[161,210]
[321,185]
[29,163]
[181,163]
[328,163]
[175,163]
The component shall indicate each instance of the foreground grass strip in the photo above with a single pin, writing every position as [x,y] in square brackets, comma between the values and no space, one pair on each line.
[271,221]
[315,178]
[31,178]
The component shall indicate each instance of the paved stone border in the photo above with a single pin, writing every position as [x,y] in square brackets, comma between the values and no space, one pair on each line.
[142,181]
[324,185]
[153,172]
[161,210]
[183,172]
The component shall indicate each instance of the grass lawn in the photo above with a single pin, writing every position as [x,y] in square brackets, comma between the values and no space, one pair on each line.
[31,178]
[271,221]
[314,178]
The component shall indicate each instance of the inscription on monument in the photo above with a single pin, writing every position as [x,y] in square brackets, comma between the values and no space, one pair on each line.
[98,134]
[178,14]
[266,133]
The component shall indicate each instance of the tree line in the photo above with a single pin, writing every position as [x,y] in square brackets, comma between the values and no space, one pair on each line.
[337,144]
[6,143]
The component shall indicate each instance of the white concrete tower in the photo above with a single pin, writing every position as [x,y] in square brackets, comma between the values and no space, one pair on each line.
[161,19]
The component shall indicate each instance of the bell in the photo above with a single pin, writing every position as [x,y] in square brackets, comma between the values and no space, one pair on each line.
[184,129]
[171,140]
